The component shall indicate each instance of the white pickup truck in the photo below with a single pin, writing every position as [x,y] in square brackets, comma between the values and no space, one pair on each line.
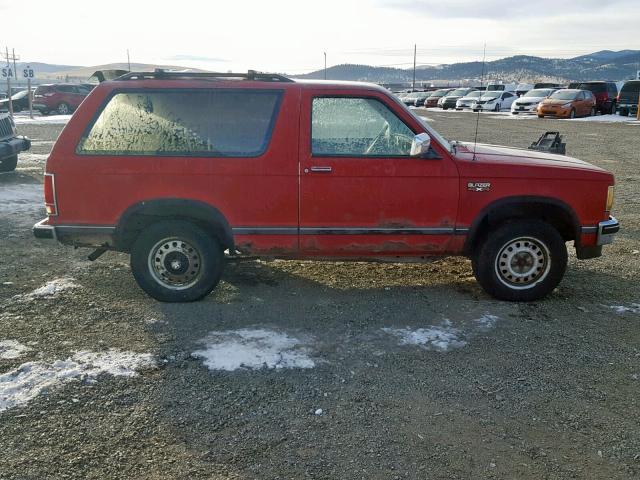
[10,143]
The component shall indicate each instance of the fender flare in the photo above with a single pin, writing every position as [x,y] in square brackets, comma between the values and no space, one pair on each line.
[205,215]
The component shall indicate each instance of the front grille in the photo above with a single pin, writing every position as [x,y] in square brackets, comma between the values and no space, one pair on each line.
[6,130]
[524,104]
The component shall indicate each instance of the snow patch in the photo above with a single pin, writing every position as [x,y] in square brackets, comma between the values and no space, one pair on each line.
[39,119]
[441,338]
[632,308]
[10,349]
[20,198]
[23,384]
[52,288]
[253,349]
[607,119]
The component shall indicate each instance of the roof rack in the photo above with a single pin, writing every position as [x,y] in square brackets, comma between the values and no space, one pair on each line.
[160,73]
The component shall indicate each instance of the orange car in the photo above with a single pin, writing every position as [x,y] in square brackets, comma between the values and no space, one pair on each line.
[568,103]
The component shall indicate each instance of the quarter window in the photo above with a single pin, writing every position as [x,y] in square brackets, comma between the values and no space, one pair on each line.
[226,123]
[357,127]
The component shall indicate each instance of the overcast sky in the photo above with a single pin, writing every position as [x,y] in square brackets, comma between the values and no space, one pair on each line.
[291,36]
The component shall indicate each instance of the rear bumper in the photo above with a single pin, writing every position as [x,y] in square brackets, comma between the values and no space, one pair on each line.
[13,146]
[76,235]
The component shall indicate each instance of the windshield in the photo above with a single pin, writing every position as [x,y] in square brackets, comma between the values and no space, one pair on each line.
[540,92]
[491,95]
[412,95]
[435,135]
[564,95]
[19,95]
[439,93]
[475,94]
[458,92]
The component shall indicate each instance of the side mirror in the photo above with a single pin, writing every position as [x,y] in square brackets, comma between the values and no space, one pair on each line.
[420,144]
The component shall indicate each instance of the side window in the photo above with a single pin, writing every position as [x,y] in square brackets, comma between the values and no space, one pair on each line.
[357,127]
[216,123]
[65,88]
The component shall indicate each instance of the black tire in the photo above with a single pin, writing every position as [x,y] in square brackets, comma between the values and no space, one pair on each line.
[9,164]
[537,240]
[497,108]
[63,108]
[624,112]
[612,110]
[593,112]
[572,113]
[176,243]
[44,113]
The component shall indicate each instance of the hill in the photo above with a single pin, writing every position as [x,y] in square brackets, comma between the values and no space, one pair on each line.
[601,65]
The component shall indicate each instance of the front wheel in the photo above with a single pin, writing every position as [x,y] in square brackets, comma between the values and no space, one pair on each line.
[572,113]
[9,164]
[497,108]
[521,260]
[176,261]
[593,112]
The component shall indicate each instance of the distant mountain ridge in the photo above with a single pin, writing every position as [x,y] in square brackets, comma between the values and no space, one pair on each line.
[603,65]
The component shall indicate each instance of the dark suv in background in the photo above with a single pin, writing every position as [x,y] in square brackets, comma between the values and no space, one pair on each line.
[628,98]
[62,98]
[605,93]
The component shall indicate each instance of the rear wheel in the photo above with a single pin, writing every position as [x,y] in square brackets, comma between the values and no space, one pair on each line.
[9,164]
[176,261]
[522,260]
[64,109]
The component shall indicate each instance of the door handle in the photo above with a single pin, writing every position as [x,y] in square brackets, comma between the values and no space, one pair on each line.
[321,169]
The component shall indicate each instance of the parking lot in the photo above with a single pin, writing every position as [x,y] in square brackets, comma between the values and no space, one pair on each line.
[370,370]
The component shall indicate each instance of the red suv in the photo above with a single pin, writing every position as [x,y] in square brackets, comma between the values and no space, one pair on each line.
[179,168]
[606,94]
[62,98]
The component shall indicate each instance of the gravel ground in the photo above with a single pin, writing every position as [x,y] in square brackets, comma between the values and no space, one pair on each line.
[379,371]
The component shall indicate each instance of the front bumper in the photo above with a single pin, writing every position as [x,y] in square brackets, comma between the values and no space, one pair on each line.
[524,109]
[13,146]
[607,230]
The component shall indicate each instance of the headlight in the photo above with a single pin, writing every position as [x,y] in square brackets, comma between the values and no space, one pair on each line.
[610,194]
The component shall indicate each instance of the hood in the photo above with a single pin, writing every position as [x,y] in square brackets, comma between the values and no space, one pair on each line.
[529,100]
[520,157]
[556,101]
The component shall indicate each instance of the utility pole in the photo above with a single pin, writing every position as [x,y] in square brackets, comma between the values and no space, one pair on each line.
[325,65]
[413,84]
[128,60]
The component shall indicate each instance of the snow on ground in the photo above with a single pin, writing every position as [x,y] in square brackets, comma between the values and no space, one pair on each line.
[21,198]
[10,349]
[607,119]
[253,349]
[23,384]
[443,337]
[631,308]
[23,118]
[52,288]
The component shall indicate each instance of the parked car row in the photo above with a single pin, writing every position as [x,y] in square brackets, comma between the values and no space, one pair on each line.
[545,98]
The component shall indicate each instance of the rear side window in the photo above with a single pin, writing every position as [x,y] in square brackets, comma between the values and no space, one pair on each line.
[226,123]
[42,90]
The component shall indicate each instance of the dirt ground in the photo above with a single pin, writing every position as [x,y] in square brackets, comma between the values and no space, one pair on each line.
[399,370]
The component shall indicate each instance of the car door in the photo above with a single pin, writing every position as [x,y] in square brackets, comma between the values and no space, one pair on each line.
[507,100]
[361,193]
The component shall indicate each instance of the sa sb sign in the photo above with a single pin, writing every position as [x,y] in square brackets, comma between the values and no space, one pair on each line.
[28,72]
[7,72]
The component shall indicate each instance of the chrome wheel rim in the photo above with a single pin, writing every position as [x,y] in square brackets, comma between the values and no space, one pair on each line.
[523,263]
[175,263]
[63,109]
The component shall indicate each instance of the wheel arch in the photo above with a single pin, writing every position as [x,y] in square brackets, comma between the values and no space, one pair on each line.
[147,212]
[551,210]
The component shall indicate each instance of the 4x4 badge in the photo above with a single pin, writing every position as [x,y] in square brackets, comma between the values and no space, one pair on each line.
[479,186]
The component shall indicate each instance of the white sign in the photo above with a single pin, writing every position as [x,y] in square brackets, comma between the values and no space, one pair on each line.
[28,72]
[7,72]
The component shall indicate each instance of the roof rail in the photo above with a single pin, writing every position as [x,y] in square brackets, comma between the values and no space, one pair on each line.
[160,73]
